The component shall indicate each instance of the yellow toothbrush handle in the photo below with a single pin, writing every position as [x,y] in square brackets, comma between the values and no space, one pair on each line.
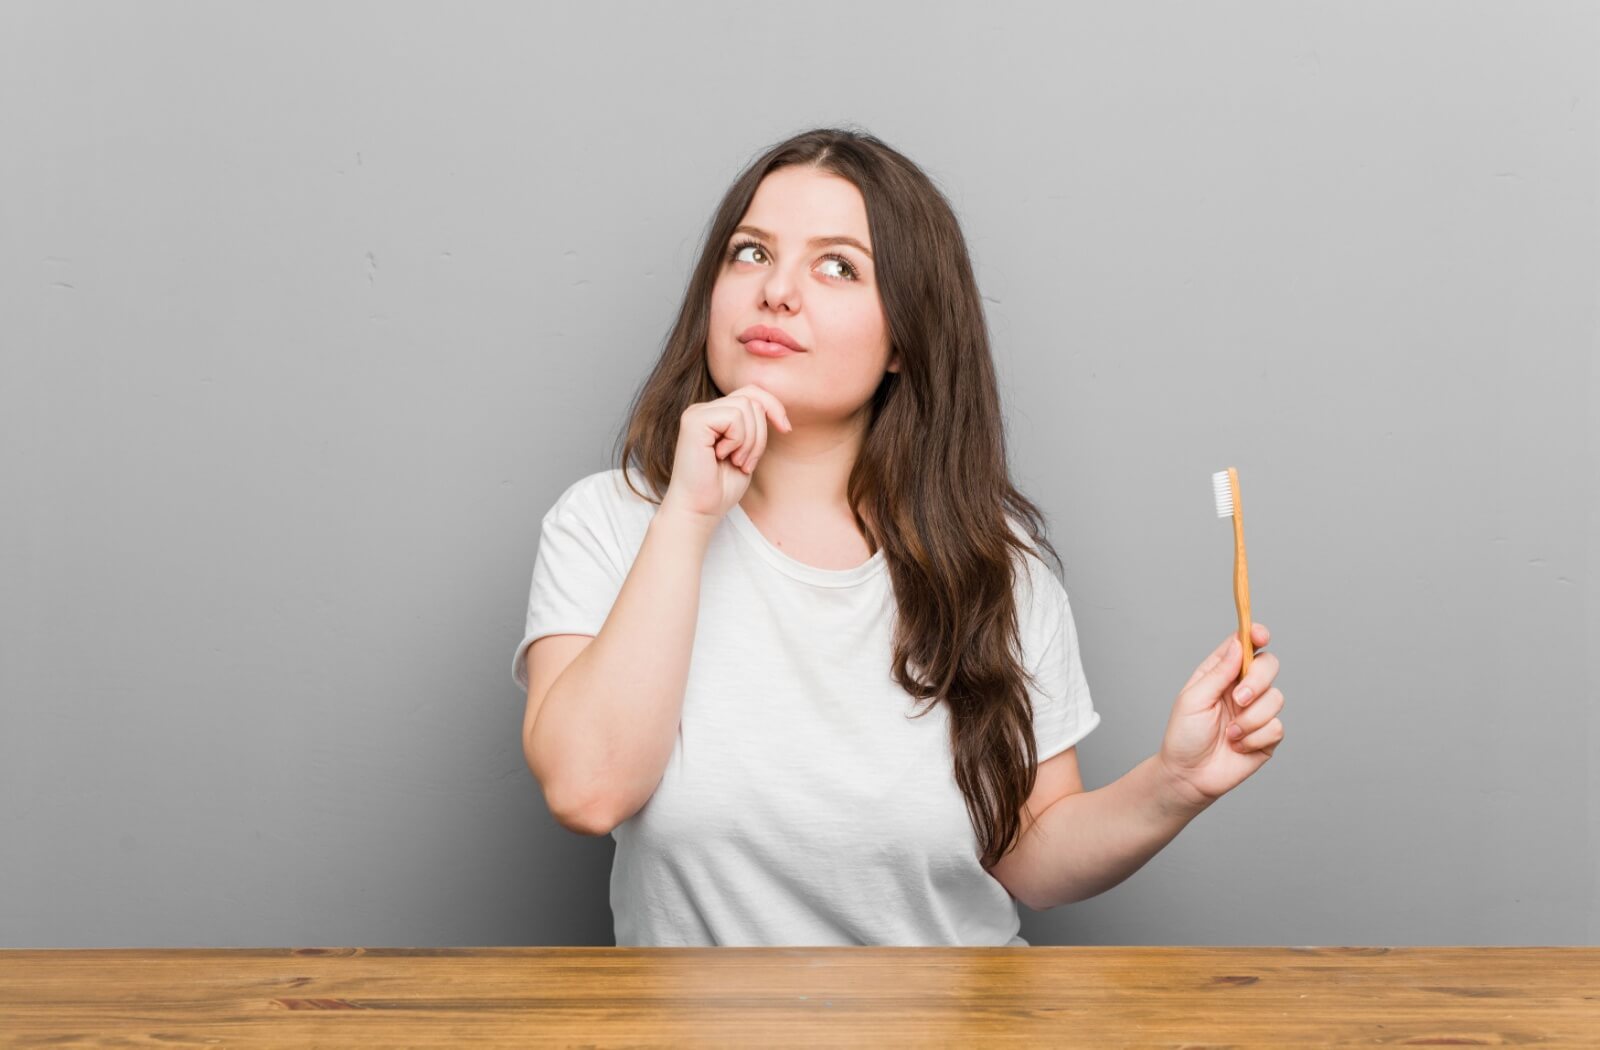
[1241,577]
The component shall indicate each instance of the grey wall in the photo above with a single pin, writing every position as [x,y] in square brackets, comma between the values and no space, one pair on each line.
[310,312]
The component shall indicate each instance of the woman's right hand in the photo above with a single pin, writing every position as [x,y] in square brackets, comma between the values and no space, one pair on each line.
[719,444]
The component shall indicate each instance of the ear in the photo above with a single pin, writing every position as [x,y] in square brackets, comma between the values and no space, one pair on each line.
[894,361]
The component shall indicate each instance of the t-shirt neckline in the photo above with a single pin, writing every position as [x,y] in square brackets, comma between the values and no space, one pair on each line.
[798,569]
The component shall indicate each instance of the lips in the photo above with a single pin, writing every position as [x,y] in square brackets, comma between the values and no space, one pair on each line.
[768,334]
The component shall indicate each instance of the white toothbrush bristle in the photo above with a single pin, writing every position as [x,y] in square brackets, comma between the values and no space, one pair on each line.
[1224,493]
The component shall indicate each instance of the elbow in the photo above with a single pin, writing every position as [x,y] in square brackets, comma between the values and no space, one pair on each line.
[592,821]
[577,811]
[583,818]
[589,818]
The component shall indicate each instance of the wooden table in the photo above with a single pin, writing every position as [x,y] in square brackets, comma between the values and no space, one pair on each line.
[811,997]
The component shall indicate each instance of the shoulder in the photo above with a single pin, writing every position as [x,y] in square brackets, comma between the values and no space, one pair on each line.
[1041,596]
[606,492]
[602,506]
[1036,580]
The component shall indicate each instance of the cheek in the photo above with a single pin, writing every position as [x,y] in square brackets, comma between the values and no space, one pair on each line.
[862,329]
[719,301]
[722,317]
[867,325]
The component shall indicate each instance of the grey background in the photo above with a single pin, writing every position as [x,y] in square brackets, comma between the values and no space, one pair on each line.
[310,312]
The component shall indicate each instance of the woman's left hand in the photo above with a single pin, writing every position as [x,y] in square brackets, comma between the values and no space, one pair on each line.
[1199,752]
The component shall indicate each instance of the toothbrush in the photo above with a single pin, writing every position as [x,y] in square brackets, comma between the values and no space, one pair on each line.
[1225,484]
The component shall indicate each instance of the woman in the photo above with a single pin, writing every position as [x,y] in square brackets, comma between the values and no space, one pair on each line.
[798,653]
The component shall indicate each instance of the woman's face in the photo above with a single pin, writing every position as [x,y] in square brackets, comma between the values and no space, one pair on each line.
[823,295]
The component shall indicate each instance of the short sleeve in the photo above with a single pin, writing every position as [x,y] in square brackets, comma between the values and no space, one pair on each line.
[577,572]
[1063,713]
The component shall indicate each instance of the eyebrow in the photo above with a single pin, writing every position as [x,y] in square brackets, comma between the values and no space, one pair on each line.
[814,242]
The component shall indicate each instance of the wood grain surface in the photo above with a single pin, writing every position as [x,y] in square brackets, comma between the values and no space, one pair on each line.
[811,997]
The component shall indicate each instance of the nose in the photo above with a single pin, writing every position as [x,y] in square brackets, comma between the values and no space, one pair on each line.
[780,291]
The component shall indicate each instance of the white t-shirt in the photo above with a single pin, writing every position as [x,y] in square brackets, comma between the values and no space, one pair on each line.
[801,804]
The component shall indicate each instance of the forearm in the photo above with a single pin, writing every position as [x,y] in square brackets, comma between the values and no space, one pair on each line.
[1089,841]
[607,726]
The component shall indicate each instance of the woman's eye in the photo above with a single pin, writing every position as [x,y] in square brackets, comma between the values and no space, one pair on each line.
[849,271]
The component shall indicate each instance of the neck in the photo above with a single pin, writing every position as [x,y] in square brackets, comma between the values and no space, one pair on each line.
[806,471]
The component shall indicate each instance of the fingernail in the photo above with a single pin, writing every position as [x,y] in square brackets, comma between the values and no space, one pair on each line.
[1242,694]
[1235,732]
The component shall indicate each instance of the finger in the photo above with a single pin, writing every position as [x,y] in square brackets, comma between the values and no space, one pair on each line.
[730,422]
[1268,735]
[1261,712]
[1263,669]
[743,429]
[750,410]
[769,405]
[1221,668]
[757,410]
[1210,663]
[1260,636]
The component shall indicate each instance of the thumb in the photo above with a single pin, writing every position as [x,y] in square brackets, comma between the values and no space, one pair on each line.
[1220,671]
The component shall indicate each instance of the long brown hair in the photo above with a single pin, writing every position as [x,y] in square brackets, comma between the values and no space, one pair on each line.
[930,487]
